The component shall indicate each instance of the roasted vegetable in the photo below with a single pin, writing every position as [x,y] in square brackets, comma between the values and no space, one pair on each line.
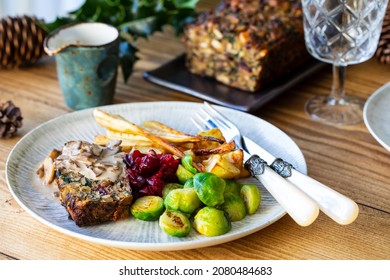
[183,174]
[232,186]
[214,133]
[234,206]
[186,161]
[119,124]
[169,187]
[210,188]
[148,208]
[196,153]
[185,200]
[226,165]
[210,221]
[251,196]
[175,223]
[189,183]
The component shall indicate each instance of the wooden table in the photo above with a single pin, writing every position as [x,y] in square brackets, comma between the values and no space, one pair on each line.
[346,158]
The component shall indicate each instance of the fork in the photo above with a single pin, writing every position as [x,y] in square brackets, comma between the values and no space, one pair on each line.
[338,207]
[298,205]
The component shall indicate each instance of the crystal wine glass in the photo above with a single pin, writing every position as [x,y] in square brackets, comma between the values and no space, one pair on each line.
[341,32]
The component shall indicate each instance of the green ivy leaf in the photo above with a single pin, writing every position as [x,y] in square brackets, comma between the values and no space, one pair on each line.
[127,58]
[185,4]
[59,21]
[179,21]
[143,27]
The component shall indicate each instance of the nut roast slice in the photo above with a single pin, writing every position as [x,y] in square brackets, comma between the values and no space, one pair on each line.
[92,183]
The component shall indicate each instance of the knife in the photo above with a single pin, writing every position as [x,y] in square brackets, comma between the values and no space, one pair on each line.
[338,207]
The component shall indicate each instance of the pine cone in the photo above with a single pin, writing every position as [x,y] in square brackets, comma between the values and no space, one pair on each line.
[10,119]
[21,41]
[383,50]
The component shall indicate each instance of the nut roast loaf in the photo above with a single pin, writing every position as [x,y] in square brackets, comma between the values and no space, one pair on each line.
[92,183]
[246,44]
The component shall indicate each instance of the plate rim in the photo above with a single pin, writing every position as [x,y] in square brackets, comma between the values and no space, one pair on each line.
[167,246]
[368,107]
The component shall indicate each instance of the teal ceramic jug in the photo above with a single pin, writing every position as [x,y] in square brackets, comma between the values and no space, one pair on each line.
[87,61]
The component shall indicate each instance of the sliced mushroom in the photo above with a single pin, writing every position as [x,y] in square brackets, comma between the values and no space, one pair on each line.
[114,143]
[111,151]
[96,150]
[98,171]
[54,154]
[40,171]
[49,170]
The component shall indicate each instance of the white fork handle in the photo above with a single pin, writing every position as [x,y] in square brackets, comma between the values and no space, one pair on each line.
[340,208]
[302,209]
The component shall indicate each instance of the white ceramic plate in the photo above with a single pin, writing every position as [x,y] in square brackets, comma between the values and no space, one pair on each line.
[37,199]
[376,115]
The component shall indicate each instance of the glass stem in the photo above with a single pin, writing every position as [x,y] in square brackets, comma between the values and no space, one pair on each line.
[337,94]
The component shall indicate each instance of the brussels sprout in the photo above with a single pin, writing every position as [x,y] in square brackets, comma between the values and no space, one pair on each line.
[186,161]
[147,208]
[209,188]
[210,221]
[251,196]
[184,200]
[175,223]
[170,186]
[189,183]
[232,186]
[234,206]
[183,174]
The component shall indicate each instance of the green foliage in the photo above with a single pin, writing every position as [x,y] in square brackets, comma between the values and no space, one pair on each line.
[134,19]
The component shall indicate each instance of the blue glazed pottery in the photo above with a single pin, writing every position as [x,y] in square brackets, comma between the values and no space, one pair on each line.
[87,63]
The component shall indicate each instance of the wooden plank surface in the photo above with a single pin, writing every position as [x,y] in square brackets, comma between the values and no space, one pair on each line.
[346,158]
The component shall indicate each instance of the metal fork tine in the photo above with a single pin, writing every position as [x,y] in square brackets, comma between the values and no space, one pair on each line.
[218,116]
[201,123]
[198,125]
[207,118]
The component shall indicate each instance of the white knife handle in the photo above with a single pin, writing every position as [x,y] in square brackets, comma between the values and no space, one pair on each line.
[340,208]
[302,209]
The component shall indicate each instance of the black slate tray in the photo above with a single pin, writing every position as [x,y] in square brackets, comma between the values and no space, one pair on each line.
[175,75]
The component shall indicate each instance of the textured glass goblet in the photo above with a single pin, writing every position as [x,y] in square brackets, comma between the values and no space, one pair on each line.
[341,32]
